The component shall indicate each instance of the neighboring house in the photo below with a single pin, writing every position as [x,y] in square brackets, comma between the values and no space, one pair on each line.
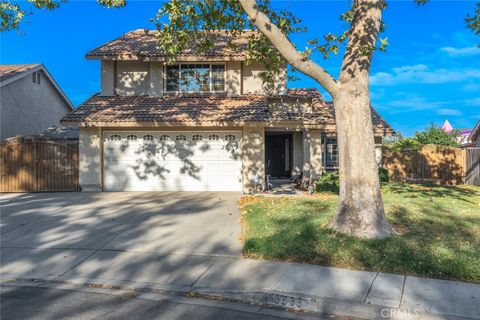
[474,137]
[31,101]
[463,134]
[206,123]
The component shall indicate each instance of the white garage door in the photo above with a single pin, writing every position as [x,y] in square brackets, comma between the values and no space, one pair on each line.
[172,161]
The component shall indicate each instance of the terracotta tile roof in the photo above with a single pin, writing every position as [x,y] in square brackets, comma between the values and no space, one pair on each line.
[11,70]
[198,110]
[142,43]
[119,109]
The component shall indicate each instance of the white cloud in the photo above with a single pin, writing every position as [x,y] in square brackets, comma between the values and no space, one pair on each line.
[461,52]
[448,112]
[422,74]
[417,67]
[472,102]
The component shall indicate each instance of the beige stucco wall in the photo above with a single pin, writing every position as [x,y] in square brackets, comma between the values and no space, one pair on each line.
[253,157]
[155,79]
[252,83]
[90,169]
[132,78]
[233,78]
[107,78]
[28,108]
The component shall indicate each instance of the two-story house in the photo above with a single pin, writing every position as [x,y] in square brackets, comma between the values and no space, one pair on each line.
[206,123]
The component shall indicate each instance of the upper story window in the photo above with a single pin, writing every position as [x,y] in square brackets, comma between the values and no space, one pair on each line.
[36,77]
[194,78]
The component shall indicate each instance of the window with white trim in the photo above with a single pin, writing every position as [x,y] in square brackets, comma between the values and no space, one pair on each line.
[36,76]
[330,155]
[164,137]
[194,77]
[181,137]
[132,137]
[213,137]
[148,137]
[115,137]
[230,137]
[197,137]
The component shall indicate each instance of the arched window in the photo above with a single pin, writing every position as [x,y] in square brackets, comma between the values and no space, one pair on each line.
[164,137]
[197,137]
[230,137]
[214,137]
[115,137]
[148,137]
[132,137]
[181,137]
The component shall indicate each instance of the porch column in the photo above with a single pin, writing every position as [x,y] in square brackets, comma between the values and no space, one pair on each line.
[316,153]
[378,151]
[253,158]
[90,150]
[306,155]
[297,153]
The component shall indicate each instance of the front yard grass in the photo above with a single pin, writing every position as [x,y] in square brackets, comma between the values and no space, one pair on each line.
[437,232]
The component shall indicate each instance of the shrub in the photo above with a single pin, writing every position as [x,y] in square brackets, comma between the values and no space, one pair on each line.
[383,175]
[329,182]
[405,144]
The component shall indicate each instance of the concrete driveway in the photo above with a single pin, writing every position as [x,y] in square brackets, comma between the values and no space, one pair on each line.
[52,233]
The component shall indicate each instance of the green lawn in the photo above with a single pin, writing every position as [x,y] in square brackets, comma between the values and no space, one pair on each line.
[437,232]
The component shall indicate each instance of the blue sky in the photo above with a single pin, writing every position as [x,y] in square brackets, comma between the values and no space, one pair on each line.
[431,71]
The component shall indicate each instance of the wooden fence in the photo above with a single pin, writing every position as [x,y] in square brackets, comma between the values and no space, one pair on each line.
[472,169]
[434,164]
[33,164]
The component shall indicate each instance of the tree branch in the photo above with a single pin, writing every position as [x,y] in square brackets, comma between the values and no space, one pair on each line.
[286,48]
[362,38]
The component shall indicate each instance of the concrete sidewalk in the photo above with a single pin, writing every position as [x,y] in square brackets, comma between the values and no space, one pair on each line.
[318,289]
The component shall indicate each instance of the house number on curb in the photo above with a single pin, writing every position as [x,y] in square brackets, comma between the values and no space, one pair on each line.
[284,300]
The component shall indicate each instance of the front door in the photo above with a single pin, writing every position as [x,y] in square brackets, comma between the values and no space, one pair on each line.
[278,155]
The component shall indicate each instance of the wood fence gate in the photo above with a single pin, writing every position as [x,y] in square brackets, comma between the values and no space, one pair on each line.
[472,168]
[33,164]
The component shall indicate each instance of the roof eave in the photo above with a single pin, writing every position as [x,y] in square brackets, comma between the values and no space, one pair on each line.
[180,58]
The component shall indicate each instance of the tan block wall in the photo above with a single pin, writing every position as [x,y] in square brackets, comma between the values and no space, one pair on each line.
[90,150]
[253,157]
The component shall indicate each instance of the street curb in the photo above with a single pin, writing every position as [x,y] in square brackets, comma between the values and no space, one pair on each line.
[290,301]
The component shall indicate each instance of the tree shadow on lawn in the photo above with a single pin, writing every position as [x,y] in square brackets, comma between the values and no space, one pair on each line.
[435,243]
[431,191]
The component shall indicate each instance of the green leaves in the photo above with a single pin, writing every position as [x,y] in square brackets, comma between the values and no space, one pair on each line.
[473,21]
[113,3]
[12,14]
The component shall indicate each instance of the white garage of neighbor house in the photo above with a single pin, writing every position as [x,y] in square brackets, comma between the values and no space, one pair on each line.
[206,123]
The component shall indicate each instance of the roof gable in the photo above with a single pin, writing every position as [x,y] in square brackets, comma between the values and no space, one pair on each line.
[12,72]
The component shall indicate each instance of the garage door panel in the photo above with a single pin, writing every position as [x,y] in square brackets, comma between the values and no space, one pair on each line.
[172,161]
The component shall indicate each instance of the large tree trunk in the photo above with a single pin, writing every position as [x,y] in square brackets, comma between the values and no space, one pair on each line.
[360,211]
